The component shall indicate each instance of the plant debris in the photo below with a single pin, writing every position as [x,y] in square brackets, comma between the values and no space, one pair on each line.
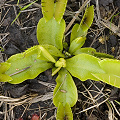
[96,100]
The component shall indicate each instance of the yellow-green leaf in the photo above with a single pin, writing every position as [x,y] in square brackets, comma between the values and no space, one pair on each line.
[102,55]
[110,79]
[76,44]
[5,78]
[51,32]
[77,32]
[87,19]
[45,55]
[112,72]
[53,50]
[86,50]
[47,9]
[81,30]
[65,90]
[26,65]
[60,6]
[82,65]
[4,67]
[64,112]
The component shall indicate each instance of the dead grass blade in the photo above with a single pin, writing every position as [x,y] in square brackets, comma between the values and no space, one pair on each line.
[111,26]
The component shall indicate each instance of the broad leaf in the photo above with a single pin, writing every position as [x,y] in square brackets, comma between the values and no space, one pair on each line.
[112,72]
[5,78]
[60,6]
[102,55]
[65,90]
[53,50]
[53,8]
[87,19]
[89,51]
[47,9]
[51,32]
[109,79]
[26,66]
[43,54]
[3,68]
[77,32]
[81,30]
[82,65]
[111,66]
[92,51]
[76,44]
[64,112]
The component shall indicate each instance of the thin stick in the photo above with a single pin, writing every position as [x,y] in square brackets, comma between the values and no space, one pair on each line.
[103,27]
[19,71]
[115,108]
[76,15]
[29,10]
[60,85]
[97,105]
[4,17]
[98,14]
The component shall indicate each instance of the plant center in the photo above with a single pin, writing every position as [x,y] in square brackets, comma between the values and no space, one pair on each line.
[61,63]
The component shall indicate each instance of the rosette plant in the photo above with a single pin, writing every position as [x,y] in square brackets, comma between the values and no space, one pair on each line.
[82,63]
